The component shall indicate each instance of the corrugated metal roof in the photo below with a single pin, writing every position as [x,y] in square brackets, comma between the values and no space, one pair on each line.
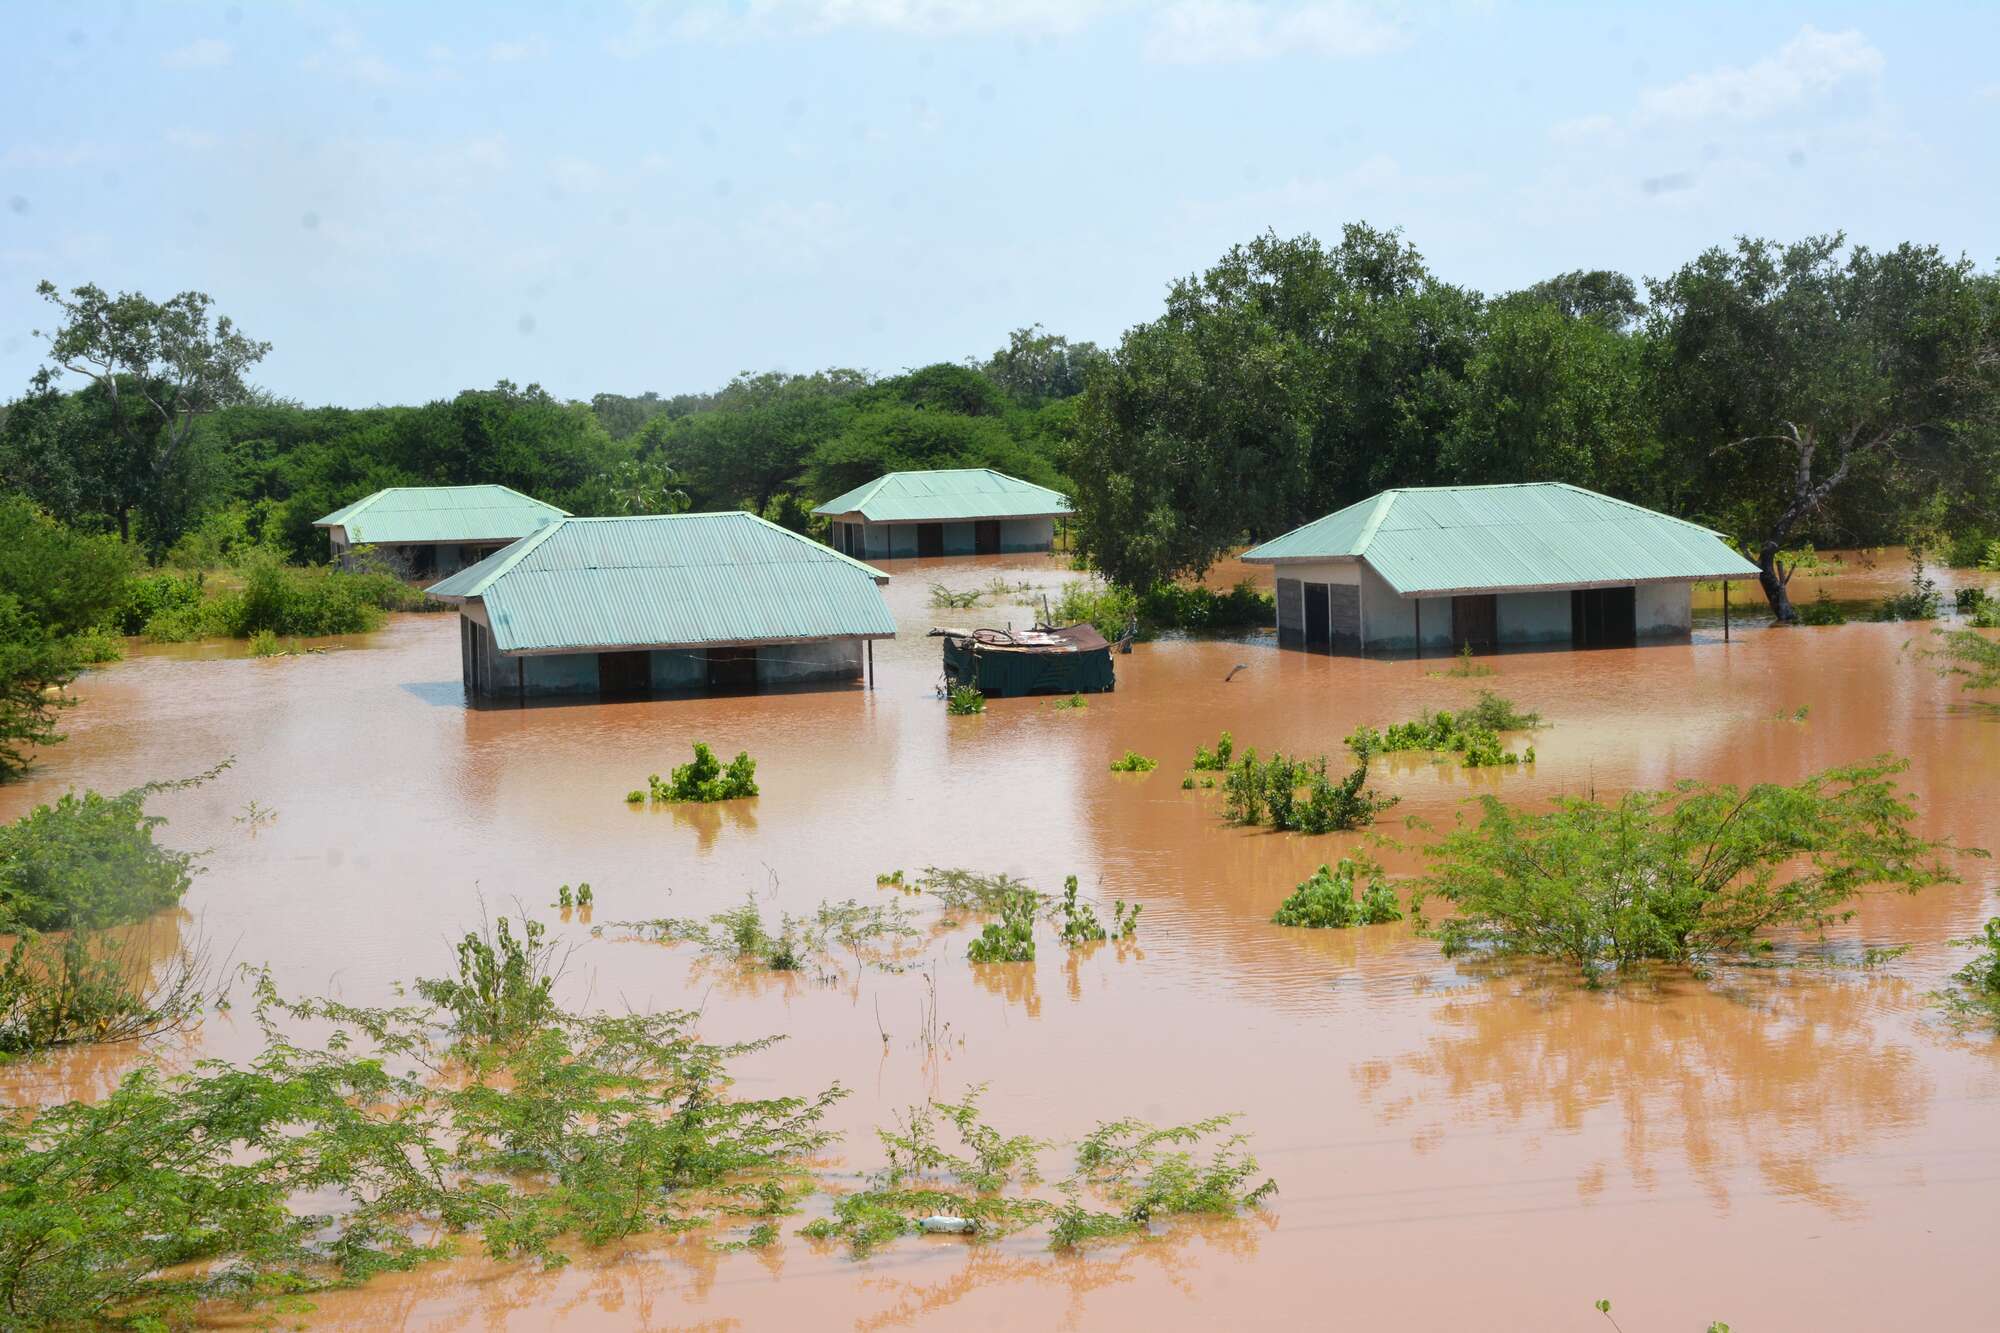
[670,580]
[483,513]
[1451,539]
[954,494]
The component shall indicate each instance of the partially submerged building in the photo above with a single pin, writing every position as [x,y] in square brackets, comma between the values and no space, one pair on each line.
[663,604]
[431,531]
[954,511]
[1433,569]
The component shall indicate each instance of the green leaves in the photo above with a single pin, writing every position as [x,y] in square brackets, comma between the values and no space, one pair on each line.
[88,861]
[1680,875]
[703,778]
[1327,900]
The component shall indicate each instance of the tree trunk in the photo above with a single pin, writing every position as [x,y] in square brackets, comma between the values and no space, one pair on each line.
[1776,580]
[124,523]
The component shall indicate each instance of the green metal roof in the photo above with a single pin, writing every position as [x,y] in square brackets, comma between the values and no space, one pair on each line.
[670,581]
[1459,539]
[484,513]
[949,494]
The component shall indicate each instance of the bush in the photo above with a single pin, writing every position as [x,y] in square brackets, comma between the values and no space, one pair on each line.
[1011,939]
[964,701]
[1133,762]
[1920,601]
[151,595]
[1680,875]
[97,645]
[502,992]
[1327,901]
[1256,791]
[1473,735]
[1216,760]
[89,986]
[703,778]
[1168,606]
[1974,993]
[88,861]
[1822,610]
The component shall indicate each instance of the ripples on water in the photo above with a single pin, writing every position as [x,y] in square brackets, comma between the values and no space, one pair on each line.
[1457,1147]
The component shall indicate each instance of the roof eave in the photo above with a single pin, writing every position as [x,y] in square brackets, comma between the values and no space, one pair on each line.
[1583,586]
[567,650]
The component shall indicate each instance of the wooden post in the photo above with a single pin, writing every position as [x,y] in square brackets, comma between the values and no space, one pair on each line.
[871,663]
[1725,610]
[1418,603]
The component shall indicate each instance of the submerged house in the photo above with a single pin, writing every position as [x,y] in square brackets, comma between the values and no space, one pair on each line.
[429,531]
[954,511]
[1432,569]
[663,604]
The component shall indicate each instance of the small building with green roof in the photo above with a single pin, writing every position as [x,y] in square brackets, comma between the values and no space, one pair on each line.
[1439,568]
[663,604]
[428,531]
[950,511]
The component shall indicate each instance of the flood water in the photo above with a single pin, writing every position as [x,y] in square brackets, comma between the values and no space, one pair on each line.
[1784,1148]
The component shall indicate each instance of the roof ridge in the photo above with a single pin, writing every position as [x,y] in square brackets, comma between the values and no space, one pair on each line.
[1383,504]
[509,556]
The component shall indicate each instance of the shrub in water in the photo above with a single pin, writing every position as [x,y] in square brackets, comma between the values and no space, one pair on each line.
[88,861]
[1216,760]
[1133,762]
[1822,610]
[1011,939]
[964,700]
[1974,993]
[703,778]
[1327,900]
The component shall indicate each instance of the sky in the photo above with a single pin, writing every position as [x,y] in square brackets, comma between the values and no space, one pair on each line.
[407,200]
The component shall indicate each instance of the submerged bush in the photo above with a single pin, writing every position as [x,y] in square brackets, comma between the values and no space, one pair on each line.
[1473,734]
[1974,993]
[151,595]
[1011,939]
[89,861]
[1216,760]
[1822,610]
[1969,655]
[1256,792]
[1133,762]
[503,990]
[796,943]
[1920,601]
[98,645]
[1327,899]
[1681,875]
[964,700]
[87,987]
[1128,1177]
[1168,606]
[703,778]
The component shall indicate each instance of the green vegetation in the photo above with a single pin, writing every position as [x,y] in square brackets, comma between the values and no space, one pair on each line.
[1464,667]
[1822,610]
[1137,1176]
[1258,792]
[579,1129]
[704,779]
[1684,875]
[1742,390]
[96,986]
[1438,733]
[1011,939]
[276,599]
[1165,606]
[1216,760]
[964,701]
[583,897]
[88,862]
[1973,997]
[945,599]
[1133,762]
[505,983]
[1971,656]
[1920,601]
[1327,900]
[1077,922]
[1075,702]
[796,944]
[57,586]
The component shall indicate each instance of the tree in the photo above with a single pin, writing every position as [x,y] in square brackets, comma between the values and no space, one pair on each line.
[160,366]
[1788,372]
[1288,380]
[1036,367]
[53,583]
[1602,296]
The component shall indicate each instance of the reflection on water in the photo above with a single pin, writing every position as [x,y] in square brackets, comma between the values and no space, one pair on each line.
[1530,1145]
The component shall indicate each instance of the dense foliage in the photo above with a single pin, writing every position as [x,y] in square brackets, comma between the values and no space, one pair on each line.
[1681,875]
[1472,734]
[1327,899]
[1267,791]
[88,861]
[705,778]
[1776,392]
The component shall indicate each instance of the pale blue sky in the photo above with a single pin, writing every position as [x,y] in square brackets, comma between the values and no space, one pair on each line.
[411,199]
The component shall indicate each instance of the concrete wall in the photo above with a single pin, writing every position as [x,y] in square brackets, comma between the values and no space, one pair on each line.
[797,663]
[1663,610]
[1534,617]
[679,669]
[888,541]
[1389,622]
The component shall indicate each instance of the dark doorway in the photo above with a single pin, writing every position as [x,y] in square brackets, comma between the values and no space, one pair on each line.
[423,561]
[732,668]
[986,537]
[624,673]
[1475,621]
[1603,617]
[1319,625]
[855,543]
[930,539]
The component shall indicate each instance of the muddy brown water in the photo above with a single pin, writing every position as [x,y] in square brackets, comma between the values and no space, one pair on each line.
[1784,1148]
